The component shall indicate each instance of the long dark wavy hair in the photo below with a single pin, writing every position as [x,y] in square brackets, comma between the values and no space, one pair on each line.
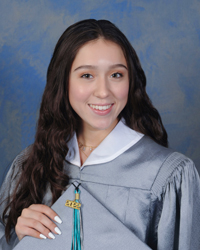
[58,121]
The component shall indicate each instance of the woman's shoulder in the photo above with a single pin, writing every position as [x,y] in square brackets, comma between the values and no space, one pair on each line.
[22,156]
[13,175]
[155,164]
[177,170]
[16,165]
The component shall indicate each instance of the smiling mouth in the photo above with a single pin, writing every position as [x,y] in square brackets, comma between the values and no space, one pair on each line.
[101,107]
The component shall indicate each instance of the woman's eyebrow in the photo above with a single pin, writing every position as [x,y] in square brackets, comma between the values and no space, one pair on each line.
[86,67]
[118,65]
[95,67]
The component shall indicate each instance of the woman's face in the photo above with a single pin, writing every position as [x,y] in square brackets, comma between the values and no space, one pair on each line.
[99,84]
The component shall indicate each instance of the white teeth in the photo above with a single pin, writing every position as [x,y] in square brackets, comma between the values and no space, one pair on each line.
[100,107]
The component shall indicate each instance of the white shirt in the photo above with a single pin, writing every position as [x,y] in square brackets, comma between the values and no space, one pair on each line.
[118,141]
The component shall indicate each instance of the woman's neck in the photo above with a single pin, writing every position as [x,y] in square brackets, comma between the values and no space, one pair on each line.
[90,138]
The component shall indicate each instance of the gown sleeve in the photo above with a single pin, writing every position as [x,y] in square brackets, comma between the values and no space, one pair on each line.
[6,190]
[179,224]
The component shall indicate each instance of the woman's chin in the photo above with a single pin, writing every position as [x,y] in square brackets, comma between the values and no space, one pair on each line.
[103,125]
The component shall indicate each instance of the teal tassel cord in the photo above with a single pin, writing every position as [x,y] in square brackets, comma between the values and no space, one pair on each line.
[77,234]
[76,237]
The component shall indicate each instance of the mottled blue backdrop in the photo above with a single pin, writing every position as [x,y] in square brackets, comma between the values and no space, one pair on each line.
[165,34]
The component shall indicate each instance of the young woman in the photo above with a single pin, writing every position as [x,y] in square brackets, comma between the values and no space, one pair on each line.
[97,127]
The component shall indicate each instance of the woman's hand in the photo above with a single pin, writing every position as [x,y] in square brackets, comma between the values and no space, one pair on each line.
[36,221]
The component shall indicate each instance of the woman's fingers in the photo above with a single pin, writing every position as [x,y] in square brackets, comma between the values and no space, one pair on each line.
[36,221]
[47,211]
[24,230]
[32,227]
[39,218]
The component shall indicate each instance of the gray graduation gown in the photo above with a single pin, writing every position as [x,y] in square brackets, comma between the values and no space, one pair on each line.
[146,198]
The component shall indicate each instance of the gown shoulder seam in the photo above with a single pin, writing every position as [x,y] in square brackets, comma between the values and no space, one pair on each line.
[172,162]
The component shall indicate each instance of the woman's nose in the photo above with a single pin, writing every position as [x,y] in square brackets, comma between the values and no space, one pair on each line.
[102,88]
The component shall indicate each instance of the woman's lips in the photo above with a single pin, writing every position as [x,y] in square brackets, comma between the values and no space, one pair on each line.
[101,109]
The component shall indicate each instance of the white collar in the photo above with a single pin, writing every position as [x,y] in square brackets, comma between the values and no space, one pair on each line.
[117,142]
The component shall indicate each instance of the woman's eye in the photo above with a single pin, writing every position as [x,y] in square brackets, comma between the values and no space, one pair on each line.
[86,76]
[116,75]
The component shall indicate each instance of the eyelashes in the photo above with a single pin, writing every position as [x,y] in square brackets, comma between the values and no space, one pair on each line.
[88,76]
[117,75]
[114,75]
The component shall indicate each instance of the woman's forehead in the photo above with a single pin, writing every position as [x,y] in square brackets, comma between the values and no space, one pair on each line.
[99,52]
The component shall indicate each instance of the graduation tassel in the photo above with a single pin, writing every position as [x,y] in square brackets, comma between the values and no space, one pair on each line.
[77,222]
[76,235]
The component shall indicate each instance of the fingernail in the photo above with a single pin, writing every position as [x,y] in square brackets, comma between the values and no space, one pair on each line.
[42,236]
[57,230]
[51,235]
[57,219]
